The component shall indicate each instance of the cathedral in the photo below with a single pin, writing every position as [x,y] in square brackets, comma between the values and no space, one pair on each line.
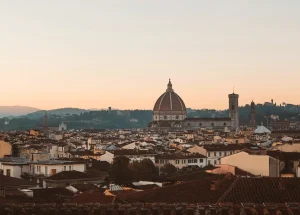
[169,113]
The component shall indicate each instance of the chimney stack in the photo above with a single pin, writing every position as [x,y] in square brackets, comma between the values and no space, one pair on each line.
[214,185]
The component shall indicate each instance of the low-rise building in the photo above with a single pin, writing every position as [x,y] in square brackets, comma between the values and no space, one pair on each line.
[260,165]
[180,160]
[135,155]
[214,152]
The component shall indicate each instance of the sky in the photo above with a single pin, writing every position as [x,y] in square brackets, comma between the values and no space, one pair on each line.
[121,53]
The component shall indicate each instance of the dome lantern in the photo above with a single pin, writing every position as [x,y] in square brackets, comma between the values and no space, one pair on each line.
[170,87]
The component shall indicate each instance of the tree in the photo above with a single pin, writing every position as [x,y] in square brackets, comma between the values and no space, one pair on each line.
[144,170]
[168,170]
[120,173]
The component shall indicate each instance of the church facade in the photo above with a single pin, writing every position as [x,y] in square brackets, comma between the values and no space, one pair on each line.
[169,113]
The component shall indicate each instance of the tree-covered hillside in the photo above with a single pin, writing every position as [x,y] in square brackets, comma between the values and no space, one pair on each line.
[138,118]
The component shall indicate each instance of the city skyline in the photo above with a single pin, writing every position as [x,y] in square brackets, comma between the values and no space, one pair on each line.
[122,53]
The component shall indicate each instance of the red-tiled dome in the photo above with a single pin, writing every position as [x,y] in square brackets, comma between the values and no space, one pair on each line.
[169,101]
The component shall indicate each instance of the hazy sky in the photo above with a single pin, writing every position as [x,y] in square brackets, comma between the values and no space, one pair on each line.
[95,54]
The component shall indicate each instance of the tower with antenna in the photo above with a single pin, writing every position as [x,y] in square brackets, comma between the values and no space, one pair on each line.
[234,109]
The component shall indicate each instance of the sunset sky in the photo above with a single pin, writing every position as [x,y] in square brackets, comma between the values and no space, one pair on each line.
[119,53]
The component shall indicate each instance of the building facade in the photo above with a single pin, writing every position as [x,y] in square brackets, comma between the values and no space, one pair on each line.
[169,113]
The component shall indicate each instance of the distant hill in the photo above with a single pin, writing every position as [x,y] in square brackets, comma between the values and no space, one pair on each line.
[57,112]
[76,118]
[8,111]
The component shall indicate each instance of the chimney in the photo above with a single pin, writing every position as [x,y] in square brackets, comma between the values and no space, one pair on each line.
[213,186]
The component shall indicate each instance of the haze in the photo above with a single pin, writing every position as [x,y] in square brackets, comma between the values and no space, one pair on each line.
[95,54]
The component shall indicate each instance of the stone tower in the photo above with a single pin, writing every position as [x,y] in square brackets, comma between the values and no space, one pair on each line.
[252,114]
[234,110]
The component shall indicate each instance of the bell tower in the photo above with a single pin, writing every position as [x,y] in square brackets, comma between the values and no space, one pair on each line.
[234,110]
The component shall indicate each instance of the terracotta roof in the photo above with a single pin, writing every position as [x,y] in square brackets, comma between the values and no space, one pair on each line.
[93,197]
[69,175]
[222,147]
[293,156]
[156,208]
[190,192]
[263,190]
[199,175]
[6,181]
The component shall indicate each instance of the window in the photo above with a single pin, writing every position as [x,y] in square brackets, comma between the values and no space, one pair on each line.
[231,153]
[201,160]
[232,107]
[212,124]
[177,162]
[224,123]
[177,117]
[30,168]
[65,168]
[208,154]
[165,117]
[70,168]
[220,153]
[209,162]
[215,162]
[46,170]
[215,154]
[195,160]
[225,153]
[8,172]
[183,161]
[189,161]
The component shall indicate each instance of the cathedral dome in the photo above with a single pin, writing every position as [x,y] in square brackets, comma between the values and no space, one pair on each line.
[169,103]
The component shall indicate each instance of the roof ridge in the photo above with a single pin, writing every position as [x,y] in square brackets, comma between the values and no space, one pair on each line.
[227,191]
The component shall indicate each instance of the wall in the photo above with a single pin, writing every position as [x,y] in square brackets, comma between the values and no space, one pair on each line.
[223,169]
[15,170]
[5,148]
[180,163]
[288,147]
[46,170]
[108,157]
[255,164]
